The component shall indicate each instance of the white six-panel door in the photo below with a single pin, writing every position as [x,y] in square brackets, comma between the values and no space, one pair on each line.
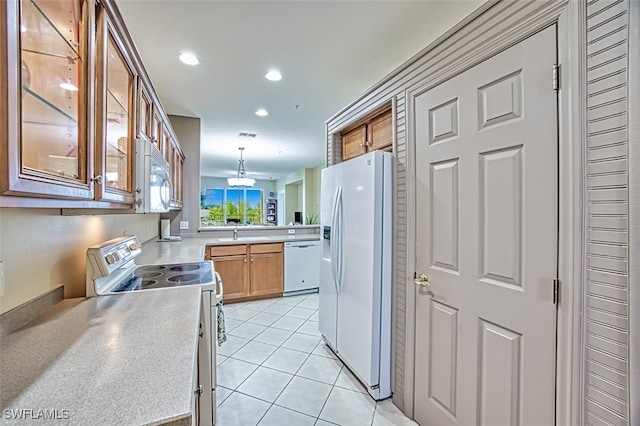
[486,200]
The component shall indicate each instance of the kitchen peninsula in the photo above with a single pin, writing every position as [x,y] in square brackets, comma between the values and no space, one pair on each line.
[252,266]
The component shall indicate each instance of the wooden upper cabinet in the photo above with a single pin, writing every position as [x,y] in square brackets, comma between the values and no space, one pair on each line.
[179,182]
[354,142]
[156,128]
[379,132]
[45,95]
[73,97]
[145,111]
[177,175]
[375,133]
[165,145]
[115,95]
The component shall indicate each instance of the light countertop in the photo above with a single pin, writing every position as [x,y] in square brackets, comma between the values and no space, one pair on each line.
[192,249]
[120,359]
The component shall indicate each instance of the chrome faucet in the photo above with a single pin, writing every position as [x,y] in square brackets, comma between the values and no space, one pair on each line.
[235,233]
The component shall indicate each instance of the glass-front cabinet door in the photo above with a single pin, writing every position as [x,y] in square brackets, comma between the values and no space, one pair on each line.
[156,128]
[145,111]
[177,166]
[175,157]
[45,92]
[114,115]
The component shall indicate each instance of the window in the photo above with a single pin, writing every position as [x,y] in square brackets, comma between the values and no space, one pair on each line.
[220,206]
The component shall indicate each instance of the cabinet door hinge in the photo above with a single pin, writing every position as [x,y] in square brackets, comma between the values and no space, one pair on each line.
[556,290]
[555,82]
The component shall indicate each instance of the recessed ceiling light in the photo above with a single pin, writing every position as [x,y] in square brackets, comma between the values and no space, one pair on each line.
[273,75]
[68,86]
[262,112]
[189,58]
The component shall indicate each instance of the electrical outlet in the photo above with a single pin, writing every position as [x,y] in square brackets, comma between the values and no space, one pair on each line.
[184,224]
[1,277]
[292,231]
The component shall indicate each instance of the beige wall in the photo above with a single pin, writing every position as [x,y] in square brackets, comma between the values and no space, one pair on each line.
[42,250]
[307,195]
[315,198]
[188,132]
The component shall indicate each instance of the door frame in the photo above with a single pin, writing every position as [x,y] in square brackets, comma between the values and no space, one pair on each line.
[634,204]
[571,46]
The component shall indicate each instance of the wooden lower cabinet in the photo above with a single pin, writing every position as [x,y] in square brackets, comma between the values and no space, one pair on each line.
[253,271]
[234,274]
[267,274]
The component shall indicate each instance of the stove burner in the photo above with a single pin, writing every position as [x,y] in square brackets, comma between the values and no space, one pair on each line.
[184,278]
[152,268]
[185,267]
[148,274]
[147,283]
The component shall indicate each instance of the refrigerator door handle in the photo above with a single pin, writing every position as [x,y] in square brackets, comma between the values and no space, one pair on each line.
[340,237]
[334,240]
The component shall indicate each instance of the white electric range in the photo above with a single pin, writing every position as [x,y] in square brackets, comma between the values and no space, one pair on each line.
[111,270]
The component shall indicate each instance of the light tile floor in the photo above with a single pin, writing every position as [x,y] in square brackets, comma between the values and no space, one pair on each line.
[274,369]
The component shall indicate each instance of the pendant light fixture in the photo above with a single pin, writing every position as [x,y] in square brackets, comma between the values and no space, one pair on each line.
[241,180]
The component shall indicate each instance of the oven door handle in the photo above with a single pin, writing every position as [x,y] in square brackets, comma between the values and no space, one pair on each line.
[219,294]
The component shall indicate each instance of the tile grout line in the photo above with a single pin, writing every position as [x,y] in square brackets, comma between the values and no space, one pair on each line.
[292,376]
[277,347]
[308,356]
[296,375]
[330,391]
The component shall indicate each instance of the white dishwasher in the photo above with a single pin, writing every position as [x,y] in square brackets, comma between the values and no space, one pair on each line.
[301,267]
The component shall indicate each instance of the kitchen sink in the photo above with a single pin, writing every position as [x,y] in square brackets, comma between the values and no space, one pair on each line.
[246,239]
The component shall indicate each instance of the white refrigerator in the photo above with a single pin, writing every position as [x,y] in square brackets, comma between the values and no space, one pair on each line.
[355,269]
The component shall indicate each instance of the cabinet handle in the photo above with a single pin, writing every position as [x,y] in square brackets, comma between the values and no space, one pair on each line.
[245,261]
[97,179]
[199,390]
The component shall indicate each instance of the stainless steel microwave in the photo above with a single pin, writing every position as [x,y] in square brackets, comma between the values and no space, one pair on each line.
[153,183]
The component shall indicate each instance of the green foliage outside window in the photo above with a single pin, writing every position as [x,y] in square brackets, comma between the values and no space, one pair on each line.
[231,205]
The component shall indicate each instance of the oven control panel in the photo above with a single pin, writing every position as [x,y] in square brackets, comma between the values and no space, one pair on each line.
[111,255]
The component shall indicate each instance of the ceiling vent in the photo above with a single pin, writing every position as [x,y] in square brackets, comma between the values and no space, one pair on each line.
[247,135]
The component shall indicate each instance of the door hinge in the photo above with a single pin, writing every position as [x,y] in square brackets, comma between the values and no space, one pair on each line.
[556,290]
[555,83]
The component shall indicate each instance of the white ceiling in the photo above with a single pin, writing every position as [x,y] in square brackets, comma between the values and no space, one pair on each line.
[329,53]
